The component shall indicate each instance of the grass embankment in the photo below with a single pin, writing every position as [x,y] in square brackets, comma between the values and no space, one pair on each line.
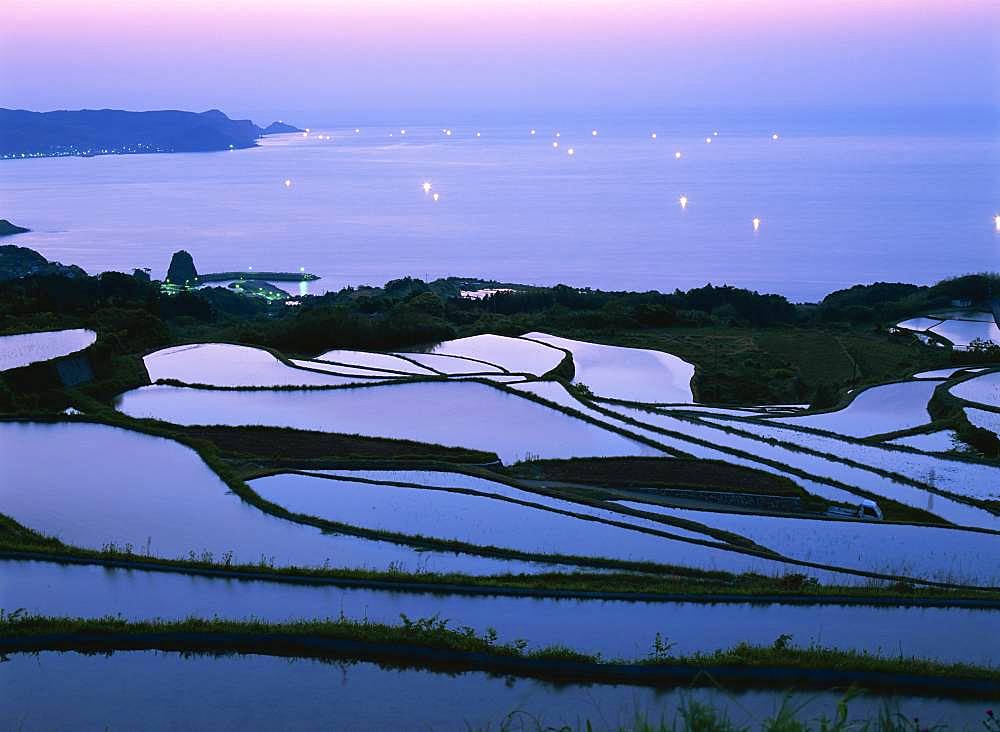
[431,643]
[291,445]
[651,472]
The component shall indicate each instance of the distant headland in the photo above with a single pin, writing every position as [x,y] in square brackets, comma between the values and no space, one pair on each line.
[9,229]
[90,132]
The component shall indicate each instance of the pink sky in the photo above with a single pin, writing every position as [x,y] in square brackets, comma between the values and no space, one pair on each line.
[254,56]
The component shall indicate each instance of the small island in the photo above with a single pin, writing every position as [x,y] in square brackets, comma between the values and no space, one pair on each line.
[280,128]
[9,229]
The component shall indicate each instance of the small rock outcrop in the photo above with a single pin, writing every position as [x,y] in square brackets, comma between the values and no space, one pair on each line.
[181,270]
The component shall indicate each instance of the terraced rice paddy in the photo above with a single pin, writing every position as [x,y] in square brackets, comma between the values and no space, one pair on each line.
[492,488]
[630,374]
[937,441]
[226,365]
[375,361]
[983,389]
[463,414]
[114,486]
[918,324]
[943,555]
[960,477]
[961,333]
[94,592]
[54,690]
[491,522]
[874,411]
[25,349]
[984,419]
[512,354]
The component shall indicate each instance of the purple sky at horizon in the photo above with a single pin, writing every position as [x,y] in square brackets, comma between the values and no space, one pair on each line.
[328,59]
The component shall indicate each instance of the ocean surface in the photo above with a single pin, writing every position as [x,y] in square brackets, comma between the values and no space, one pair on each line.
[834,210]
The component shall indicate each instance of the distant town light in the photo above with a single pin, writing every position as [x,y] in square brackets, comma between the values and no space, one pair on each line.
[653,135]
[774,136]
[357,130]
[478,133]
[533,131]
[555,144]
[677,155]
[288,183]
[448,132]
[308,130]
[426,185]
[593,133]
[557,134]
[437,196]
[715,134]
[402,132]
[302,269]
[305,134]
[571,151]
[683,200]
[996,221]
[708,140]
[756,223]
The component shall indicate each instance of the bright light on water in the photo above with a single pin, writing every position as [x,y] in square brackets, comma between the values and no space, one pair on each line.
[532,131]
[756,223]
[555,144]
[683,201]
[774,136]
[716,133]
[557,134]
[996,221]
[593,133]
[288,183]
[708,140]
[571,151]
[357,130]
[652,135]
[677,155]
[478,133]
[448,132]
[437,196]
[402,132]
[426,185]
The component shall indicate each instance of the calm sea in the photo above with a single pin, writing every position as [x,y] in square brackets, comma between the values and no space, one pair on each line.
[834,210]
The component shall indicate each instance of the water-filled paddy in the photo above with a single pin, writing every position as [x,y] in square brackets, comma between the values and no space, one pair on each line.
[963,332]
[24,349]
[937,441]
[93,592]
[822,467]
[962,477]
[633,374]
[375,361]
[452,365]
[918,324]
[224,364]
[877,410]
[53,690]
[983,389]
[943,555]
[513,354]
[459,480]
[944,373]
[111,485]
[984,418]
[464,414]
[492,522]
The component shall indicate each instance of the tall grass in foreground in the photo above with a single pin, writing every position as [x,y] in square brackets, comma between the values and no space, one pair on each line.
[693,715]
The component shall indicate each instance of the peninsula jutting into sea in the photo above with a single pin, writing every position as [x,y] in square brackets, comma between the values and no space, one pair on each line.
[88,132]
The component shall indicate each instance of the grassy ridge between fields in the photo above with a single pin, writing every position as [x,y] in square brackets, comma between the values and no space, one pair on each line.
[431,643]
